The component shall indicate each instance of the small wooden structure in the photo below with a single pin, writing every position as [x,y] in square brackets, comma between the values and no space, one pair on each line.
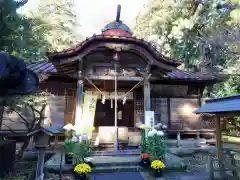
[42,141]
[220,107]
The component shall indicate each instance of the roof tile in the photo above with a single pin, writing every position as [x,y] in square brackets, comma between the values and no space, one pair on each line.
[46,67]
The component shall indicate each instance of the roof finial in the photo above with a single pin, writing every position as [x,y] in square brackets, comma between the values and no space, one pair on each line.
[118,13]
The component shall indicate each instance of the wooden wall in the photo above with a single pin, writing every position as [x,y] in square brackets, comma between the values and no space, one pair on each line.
[182,113]
[55,110]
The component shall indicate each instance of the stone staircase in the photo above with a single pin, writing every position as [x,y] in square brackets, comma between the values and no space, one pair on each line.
[117,163]
[120,161]
[102,161]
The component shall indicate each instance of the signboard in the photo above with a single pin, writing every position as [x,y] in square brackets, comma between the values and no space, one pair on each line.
[149,118]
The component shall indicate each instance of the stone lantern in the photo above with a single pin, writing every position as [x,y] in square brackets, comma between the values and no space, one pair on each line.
[42,141]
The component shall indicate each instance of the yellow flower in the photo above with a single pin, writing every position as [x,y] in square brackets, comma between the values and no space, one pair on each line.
[157,164]
[82,168]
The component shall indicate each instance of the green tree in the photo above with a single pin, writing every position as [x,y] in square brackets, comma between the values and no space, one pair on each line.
[59,22]
[181,28]
[178,27]
[17,34]
[31,112]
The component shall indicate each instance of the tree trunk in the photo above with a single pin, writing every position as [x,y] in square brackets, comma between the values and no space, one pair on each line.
[24,146]
[1,118]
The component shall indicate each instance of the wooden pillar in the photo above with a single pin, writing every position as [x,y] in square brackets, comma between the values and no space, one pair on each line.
[169,112]
[79,103]
[147,98]
[40,164]
[219,146]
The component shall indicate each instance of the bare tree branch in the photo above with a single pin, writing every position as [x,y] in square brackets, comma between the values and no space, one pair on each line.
[9,128]
[22,118]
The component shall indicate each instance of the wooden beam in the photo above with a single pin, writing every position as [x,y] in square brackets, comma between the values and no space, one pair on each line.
[219,146]
[120,78]
[111,65]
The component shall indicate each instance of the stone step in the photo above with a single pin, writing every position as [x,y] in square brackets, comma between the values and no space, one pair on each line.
[117,153]
[108,161]
[111,169]
[172,162]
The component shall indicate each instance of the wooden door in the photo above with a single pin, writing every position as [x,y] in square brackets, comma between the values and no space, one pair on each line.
[127,114]
[104,115]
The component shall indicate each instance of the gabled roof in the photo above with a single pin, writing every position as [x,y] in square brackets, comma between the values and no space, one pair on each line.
[44,67]
[222,104]
[51,130]
[114,39]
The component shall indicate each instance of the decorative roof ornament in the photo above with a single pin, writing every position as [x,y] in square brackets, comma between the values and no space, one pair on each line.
[117,27]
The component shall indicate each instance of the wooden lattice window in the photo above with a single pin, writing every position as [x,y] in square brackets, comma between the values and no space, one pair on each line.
[139,103]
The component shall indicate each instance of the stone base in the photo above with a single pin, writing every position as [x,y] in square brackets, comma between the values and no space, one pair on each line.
[114,163]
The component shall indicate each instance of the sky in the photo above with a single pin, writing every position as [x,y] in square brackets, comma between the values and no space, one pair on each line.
[94,14]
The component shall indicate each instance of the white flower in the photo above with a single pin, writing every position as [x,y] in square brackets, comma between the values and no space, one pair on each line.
[164,126]
[88,159]
[154,131]
[150,134]
[74,139]
[158,125]
[160,133]
[84,137]
[68,127]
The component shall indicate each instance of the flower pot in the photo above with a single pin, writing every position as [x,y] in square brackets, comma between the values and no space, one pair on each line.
[68,159]
[157,172]
[145,162]
[80,176]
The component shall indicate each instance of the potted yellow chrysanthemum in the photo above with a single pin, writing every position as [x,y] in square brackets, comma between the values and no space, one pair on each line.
[157,167]
[81,170]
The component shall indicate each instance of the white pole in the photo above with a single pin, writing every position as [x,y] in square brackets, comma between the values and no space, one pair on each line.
[115,119]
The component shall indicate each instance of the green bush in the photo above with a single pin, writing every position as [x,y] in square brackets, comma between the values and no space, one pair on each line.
[68,146]
[82,150]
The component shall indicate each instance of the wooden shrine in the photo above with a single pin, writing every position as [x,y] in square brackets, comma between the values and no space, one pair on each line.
[116,60]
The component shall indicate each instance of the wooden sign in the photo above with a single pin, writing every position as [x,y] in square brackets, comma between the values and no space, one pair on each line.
[149,118]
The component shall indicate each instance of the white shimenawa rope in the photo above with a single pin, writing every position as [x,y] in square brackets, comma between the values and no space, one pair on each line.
[119,97]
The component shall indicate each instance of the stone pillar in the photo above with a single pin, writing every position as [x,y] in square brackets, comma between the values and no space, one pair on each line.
[79,103]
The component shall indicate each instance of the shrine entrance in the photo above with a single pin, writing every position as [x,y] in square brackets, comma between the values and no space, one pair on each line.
[105,113]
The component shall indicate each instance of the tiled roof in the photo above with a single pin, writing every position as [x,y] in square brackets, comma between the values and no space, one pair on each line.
[46,67]
[222,104]
[102,37]
[41,67]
